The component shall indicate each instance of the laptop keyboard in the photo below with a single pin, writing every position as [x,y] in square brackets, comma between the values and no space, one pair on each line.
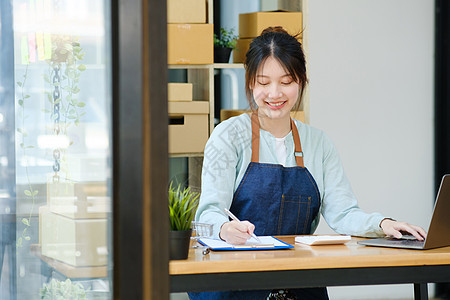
[406,242]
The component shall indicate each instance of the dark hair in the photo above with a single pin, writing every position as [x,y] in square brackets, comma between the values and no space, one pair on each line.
[277,43]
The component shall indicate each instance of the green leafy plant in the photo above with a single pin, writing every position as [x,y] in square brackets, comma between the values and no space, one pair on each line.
[183,204]
[66,54]
[62,290]
[25,146]
[226,39]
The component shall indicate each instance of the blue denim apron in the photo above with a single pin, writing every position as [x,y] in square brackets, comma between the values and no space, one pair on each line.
[278,201]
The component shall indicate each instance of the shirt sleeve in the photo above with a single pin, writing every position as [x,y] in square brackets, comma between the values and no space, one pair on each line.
[339,205]
[218,176]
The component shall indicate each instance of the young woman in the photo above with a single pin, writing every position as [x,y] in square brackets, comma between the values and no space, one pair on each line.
[277,174]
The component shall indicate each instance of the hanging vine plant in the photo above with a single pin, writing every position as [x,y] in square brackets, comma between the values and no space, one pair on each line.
[62,77]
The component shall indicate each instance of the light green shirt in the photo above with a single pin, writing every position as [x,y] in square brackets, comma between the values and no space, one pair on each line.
[228,153]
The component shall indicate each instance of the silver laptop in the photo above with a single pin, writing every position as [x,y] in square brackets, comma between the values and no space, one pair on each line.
[438,232]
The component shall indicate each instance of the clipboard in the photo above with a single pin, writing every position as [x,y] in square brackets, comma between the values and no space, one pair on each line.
[267,243]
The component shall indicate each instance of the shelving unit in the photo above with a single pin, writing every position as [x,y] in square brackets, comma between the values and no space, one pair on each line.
[202,78]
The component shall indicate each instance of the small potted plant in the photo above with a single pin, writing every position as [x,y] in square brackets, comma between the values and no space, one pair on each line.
[183,204]
[223,45]
[62,290]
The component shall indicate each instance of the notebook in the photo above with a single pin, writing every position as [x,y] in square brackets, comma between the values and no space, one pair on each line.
[438,231]
[267,243]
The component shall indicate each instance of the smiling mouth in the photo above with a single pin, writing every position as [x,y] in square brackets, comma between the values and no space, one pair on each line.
[276,104]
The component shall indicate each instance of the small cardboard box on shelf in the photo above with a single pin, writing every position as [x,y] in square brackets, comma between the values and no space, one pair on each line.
[190,44]
[78,200]
[242,46]
[188,127]
[298,115]
[186,11]
[180,91]
[252,24]
[90,167]
[77,242]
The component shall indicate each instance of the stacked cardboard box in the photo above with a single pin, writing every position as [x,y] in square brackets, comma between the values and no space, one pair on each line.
[252,24]
[188,120]
[180,91]
[73,224]
[190,39]
[188,127]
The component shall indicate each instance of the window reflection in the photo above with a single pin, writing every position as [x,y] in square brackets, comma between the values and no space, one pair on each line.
[60,103]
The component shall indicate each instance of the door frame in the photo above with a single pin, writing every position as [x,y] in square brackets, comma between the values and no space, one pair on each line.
[140,149]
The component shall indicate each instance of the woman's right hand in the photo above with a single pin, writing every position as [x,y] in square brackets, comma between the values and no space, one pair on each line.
[236,233]
[395,228]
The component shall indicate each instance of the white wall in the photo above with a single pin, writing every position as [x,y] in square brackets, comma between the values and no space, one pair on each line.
[371,90]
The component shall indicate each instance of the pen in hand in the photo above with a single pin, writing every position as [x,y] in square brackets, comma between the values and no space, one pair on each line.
[230,214]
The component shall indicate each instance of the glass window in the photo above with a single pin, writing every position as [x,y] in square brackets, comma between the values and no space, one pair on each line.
[55,150]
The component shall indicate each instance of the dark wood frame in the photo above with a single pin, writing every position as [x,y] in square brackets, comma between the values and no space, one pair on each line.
[442,89]
[140,149]
[442,103]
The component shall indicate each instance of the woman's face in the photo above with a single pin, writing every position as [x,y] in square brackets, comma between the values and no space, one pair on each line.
[275,91]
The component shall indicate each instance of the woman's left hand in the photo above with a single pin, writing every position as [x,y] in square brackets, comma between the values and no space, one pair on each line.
[395,228]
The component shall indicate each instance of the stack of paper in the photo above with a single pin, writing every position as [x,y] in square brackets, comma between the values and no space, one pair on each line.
[322,239]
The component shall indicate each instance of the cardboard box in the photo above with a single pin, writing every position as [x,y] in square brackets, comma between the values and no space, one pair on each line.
[79,243]
[194,107]
[186,11]
[188,127]
[252,24]
[87,167]
[225,114]
[190,44]
[180,91]
[84,200]
[242,47]
[298,115]
[239,53]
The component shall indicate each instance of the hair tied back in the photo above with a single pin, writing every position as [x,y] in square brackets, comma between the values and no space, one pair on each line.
[278,29]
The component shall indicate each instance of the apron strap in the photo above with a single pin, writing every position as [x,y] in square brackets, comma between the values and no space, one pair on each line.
[255,141]
[255,137]
[298,152]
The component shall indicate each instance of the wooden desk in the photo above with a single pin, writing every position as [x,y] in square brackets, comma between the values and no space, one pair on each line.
[305,266]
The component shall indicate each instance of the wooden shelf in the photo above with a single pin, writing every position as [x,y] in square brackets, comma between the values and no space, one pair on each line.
[189,66]
[68,270]
[228,66]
